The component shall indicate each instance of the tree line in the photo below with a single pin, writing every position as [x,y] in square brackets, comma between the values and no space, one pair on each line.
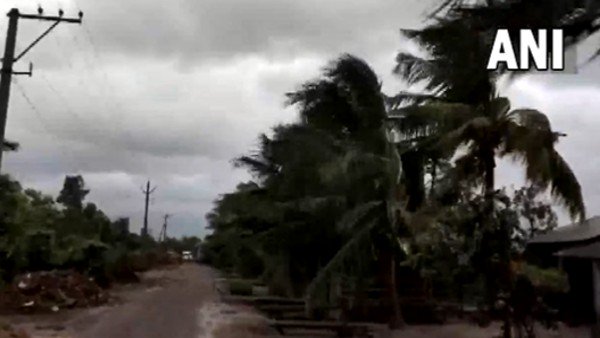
[40,233]
[369,188]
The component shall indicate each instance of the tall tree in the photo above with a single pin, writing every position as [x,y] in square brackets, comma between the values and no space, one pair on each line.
[463,109]
[73,192]
[347,102]
[460,110]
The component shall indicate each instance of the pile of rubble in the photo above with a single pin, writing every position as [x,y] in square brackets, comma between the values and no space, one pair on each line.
[13,334]
[51,291]
[7,331]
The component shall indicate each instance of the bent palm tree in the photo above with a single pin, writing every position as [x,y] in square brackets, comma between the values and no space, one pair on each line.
[462,107]
[347,102]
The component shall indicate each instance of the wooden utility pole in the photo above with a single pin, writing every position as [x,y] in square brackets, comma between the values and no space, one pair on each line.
[9,57]
[147,191]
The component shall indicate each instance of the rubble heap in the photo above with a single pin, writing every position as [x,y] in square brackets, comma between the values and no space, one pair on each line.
[51,291]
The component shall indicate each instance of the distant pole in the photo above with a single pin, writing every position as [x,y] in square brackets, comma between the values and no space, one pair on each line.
[163,236]
[9,58]
[147,191]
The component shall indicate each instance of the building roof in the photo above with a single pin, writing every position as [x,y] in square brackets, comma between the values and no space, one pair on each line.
[591,251]
[576,232]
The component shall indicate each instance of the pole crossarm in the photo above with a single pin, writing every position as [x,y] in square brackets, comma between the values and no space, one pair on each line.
[36,41]
[55,19]
[49,18]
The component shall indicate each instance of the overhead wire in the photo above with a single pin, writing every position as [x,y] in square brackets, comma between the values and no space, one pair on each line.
[76,165]
[118,104]
[65,102]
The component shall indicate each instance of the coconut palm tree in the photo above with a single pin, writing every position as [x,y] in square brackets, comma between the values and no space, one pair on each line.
[461,110]
[462,107]
[346,101]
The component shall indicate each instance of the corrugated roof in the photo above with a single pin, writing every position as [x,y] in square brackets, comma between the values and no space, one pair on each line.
[591,251]
[571,233]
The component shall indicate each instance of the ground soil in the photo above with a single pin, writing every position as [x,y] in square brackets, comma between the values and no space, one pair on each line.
[181,302]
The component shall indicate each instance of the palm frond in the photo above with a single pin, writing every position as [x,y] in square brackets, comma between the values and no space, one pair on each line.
[468,132]
[351,219]
[531,119]
[404,98]
[427,119]
[311,204]
[255,165]
[414,69]
[349,70]
[499,107]
[565,187]
[335,264]
[533,144]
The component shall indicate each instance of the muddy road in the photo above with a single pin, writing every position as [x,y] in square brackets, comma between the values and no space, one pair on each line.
[168,309]
[174,303]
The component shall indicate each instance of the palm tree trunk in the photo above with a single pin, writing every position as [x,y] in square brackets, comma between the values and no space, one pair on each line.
[489,166]
[489,163]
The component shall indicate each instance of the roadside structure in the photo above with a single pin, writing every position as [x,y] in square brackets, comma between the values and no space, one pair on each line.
[574,249]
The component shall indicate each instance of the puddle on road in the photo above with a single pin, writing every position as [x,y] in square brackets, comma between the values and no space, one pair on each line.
[217,320]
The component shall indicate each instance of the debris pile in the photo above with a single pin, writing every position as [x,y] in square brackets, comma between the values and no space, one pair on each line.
[6,331]
[51,291]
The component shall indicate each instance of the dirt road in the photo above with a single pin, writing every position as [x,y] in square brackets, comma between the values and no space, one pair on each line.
[174,303]
[167,310]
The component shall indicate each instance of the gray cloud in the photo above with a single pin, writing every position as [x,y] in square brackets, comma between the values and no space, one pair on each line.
[217,29]
[172,91]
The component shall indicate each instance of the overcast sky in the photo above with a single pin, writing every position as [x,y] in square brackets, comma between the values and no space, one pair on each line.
[173,90]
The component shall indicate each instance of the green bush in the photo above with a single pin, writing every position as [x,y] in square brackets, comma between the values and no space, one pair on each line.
[119,265]
[552,280]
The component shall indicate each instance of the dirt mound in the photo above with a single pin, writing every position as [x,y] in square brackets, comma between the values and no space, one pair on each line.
[7,331]
[50,291]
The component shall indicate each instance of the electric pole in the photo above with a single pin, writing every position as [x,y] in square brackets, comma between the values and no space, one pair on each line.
[147,191]
[163,233]
[9,57]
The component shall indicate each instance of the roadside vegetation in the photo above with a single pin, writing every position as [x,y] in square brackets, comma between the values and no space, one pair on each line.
[398,191]
[42,233]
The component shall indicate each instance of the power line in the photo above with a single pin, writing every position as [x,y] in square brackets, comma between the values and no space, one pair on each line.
[33,107]
[45,126]
[66,104]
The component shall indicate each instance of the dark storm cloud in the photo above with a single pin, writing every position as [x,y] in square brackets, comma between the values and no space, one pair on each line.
[118,101]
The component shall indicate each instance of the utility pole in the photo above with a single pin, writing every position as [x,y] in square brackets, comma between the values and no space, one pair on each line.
[147,191]
[163,233]
[9,57]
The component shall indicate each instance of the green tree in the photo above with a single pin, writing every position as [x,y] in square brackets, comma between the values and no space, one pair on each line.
[347,102]
[73,192]
[463,109]
[460,110]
